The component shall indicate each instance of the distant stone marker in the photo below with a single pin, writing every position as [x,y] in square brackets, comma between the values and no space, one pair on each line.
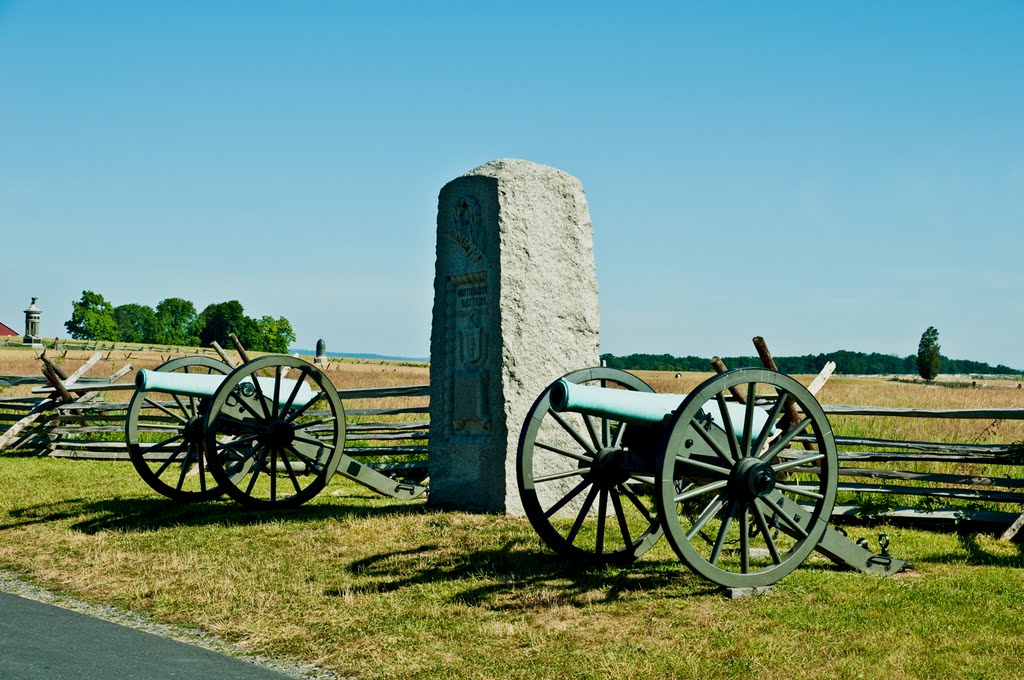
[515,307]
[32,316]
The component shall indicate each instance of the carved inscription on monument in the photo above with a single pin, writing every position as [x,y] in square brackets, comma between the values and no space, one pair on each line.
[470,413]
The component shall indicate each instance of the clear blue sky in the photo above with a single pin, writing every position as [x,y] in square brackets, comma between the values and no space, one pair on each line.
[828,175]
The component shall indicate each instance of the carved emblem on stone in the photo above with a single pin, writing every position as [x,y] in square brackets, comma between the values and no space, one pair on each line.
[467,227]
[472,348]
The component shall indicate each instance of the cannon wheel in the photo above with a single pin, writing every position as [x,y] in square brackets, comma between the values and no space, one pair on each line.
[566,467]
[265,448]
[164,434]
[753,506]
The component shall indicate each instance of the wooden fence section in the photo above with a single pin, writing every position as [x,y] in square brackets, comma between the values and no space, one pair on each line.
[15,412]
[394,439]
[971,473]
[67,344]
[391,440]
[385,438]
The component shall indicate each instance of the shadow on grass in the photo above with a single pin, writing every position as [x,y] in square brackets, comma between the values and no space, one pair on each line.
[517,577]
[982,551]
[977,549]
[142,514]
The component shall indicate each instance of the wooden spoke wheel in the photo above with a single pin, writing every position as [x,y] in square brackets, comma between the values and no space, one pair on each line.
[583,498]
[745,492]
[165,440]
[275,432]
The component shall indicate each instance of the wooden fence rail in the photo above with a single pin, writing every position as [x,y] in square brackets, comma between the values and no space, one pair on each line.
[90,428]
[396,438]
[990,489]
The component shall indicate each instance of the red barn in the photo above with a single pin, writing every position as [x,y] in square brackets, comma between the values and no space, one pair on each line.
[6,330]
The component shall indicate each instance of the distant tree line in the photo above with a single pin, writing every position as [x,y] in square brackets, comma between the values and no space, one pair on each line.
[850,363]
[176,322]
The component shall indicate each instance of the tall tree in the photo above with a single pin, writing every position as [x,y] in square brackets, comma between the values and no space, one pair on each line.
[92,318]
[929,360]
[175,319]
[218,321]
[135,323]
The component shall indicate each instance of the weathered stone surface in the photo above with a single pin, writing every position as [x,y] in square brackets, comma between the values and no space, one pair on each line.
[515,307]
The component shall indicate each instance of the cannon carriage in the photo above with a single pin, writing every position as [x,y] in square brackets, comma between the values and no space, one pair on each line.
[269,434]
[739,475]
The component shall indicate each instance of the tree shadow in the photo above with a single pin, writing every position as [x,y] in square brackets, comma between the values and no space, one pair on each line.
[980,550]
[145,514]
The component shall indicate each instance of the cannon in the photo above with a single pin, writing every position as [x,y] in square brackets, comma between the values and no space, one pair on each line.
[739,475]
[269,434]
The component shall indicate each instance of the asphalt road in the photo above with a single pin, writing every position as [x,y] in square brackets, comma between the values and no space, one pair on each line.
[43,642]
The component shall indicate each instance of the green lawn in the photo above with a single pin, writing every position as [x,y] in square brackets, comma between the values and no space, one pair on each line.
[371,587]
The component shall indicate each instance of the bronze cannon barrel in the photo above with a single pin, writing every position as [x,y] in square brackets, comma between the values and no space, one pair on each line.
[639,408]
[204,385]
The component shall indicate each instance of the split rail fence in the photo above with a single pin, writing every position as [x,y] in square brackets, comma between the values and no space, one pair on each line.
[982,478]
[982,482]
[74,417]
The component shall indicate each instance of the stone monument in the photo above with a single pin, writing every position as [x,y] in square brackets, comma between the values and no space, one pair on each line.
[32,316]
[321,352]
[515,307]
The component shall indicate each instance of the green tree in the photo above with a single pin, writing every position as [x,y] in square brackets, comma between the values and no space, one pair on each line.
[92,318]
[250,336]
[218,321]
[175,319]
[135,323]
[276,334]
[929,360]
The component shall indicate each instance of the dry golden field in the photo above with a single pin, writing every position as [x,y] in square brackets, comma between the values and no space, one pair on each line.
[344,373]
[868,391]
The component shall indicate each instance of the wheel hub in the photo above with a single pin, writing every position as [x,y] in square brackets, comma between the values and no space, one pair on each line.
[753,478]
[193,430]
[608,468]
[277,433]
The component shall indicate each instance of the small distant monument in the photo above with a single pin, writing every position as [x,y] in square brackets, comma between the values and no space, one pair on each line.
[515,307]
[321,352]
[32,315]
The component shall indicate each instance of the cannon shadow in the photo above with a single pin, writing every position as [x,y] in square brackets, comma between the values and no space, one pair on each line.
[519,576]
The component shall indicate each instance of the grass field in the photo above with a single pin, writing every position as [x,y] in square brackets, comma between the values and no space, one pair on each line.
[373,588]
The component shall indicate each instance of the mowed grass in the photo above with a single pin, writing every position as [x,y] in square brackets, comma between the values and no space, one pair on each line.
[374,588]
[370,587]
